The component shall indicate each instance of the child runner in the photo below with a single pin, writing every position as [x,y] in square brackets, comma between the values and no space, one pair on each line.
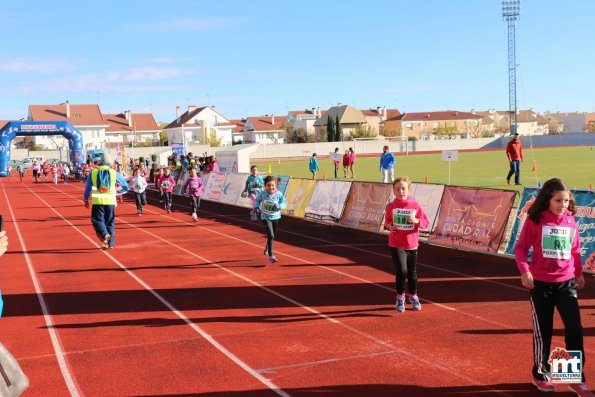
[194,187]
[45,168]
[21,171]
[346,164]
[167,186]
[139,184]
[313,165]
[270,202]
[352,162]
[404,217]
[65,173]
[254,185]
[36,170]
[553,276]
[55,173]
[336,164]
[157,178]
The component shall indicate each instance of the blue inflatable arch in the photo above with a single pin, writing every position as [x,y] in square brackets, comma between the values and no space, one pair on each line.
[31,128]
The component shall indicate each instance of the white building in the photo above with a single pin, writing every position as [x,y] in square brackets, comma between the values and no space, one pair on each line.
[131,128]
[200,125]
[267,130]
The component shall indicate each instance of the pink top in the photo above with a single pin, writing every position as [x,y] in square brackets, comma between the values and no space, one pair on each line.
[167,183]
[407,237]
[193,186]
[351,158]
[556,253]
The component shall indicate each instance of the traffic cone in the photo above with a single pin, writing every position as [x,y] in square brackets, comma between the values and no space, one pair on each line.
[427,179]
[278,161]
[269,171]
[324,176]
[534,166]
[590,186]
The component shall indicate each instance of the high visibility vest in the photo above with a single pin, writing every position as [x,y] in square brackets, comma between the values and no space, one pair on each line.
[103,198]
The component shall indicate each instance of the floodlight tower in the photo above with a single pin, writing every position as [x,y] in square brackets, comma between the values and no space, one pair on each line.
[511,9]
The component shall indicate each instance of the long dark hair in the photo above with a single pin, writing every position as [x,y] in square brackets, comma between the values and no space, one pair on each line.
[269,178]
[542,201]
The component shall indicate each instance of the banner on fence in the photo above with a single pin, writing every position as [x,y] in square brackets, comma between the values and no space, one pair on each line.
[585,219]
[328,200]
[232,188]
[429,197]
[282,181]
[472,218]
[299,192]
[365,205]
[181,180]
[214,185]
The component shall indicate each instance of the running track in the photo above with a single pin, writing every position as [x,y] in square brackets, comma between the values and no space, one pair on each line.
[194,309]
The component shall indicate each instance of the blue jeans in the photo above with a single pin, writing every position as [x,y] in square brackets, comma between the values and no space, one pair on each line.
[103,218]
[515,168]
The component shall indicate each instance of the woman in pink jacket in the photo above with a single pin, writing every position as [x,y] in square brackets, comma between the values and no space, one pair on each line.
[167,186]
[404,218]
[351,162]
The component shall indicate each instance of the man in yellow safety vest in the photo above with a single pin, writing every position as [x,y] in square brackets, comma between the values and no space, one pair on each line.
[101,186]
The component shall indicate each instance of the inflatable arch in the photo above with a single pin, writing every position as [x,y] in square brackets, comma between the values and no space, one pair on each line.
[31,128]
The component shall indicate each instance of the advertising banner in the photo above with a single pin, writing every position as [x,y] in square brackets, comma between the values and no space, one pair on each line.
[181,180]
[299,192]
[233,186]
[472,218]
[429,197]
[365,205]
[585,218]
[214,185]
[328,200]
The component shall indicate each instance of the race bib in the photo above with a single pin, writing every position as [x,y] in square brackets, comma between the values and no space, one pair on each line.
[556,242]
[165,185]
[400,218]
[254,185]
[268,207]
[193,185]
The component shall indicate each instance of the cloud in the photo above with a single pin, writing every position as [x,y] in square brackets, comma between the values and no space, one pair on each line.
[144,79]
[187,24]
[35,66]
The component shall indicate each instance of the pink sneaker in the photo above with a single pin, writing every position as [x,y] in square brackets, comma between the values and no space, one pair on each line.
[544,385]
[580,389]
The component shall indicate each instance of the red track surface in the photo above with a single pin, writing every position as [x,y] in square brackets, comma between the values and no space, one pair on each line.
[194,309]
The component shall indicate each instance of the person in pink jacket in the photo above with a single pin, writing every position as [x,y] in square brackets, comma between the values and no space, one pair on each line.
[404,217]
[194,187]
[167,186]
[553,276]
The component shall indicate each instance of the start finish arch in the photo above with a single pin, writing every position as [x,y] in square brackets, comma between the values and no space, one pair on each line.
[32,128]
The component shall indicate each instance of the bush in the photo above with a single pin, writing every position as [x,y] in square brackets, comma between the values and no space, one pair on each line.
[154,158]
[362,132]
[488,134]
[36,148]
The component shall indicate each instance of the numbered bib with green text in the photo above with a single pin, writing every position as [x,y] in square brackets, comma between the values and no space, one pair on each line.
[401,218]
[556,242]
[268,207]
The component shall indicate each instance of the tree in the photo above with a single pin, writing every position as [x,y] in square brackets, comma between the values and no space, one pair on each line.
[214,140]
[475,130]
[338,130]
[330,131]
[448,131]
[362,131]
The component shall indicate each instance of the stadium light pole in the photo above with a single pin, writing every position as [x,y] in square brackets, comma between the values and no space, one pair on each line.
[511,9]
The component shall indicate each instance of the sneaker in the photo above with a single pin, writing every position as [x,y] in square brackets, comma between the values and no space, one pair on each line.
[272,259]
[140,214]
[266,250]
[105,242]
[415,303]
[544,385]
[194,217]
[400,305]
[508,182]
[580,389]
[169,211]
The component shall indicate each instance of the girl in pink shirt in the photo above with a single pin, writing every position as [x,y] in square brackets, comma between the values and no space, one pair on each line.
[167,186]
[194,188]
[553,276]
[404,217]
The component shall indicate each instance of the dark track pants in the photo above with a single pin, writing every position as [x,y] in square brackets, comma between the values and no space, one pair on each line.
[270,227]
[103,218]
[544,298]
[405,262]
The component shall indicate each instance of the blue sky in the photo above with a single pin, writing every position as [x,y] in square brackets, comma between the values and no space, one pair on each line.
[259,57]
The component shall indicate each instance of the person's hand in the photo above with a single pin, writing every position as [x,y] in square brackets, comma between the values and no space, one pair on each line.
[87,204]
[527,280]
[412,219]
[580,282]
[3,242]
[389,227]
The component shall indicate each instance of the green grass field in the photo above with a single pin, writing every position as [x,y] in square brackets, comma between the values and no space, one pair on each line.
[575,165]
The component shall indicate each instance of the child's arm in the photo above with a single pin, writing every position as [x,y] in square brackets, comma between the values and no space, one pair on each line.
[576,255]
[258,200]
[282,202]
[521,250]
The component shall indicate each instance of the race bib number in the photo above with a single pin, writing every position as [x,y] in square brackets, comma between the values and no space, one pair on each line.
[268,207]
[138,186]
[400,218]
[556,242]
[165,185]
[254,185]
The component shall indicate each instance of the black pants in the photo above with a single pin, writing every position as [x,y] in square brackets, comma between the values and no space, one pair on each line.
[141,199]
[167,196]
[194,204]
[405,262]
[270,227]
[544,298]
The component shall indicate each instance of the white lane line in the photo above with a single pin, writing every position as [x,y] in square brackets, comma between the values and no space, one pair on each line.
[173,309]
[71,384]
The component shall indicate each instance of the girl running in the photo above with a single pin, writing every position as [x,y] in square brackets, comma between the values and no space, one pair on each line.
[55,173]
[404,217]
[139,184]
[270,202]
[65,173]
[157,178]
[194,187]
[553,276]
[167,186]
[346,164]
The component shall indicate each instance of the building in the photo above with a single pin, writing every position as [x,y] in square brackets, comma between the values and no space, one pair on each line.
[302,120]
[375,118]
[555,122]
[131,128]
[349,117]
[86,118]
[202,125]
[237,134]
[430,125]
[264,129]
[578,122]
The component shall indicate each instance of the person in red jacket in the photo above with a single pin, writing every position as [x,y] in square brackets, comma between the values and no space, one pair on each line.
[404,218]
[514,151]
